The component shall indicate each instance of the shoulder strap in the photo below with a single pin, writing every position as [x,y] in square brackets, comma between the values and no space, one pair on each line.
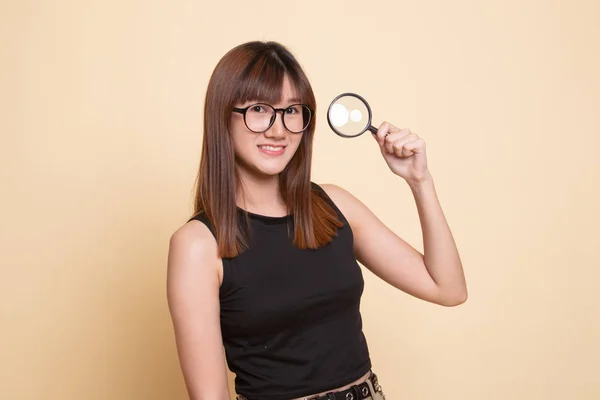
[202,217]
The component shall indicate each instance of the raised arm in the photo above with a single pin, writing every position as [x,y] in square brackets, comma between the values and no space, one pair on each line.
[193,281]
[437,274]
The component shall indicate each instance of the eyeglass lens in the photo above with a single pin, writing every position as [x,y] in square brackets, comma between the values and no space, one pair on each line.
[260,117]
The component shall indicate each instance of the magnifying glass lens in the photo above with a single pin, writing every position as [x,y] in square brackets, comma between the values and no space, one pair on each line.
[349,116]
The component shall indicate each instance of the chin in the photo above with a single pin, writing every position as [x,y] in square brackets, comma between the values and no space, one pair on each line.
[270,170]
[262,166]
[264,170]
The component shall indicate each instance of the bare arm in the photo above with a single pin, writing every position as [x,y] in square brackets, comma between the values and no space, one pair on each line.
[436,276]
[193,281]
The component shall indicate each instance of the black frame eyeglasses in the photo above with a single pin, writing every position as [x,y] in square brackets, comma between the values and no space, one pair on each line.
[269,110]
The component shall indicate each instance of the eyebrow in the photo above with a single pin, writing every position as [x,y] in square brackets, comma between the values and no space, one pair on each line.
[291,100]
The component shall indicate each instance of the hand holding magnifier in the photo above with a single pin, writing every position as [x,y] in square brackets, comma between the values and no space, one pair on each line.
[349,115]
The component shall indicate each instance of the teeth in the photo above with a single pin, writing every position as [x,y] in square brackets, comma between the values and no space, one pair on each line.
[272,148]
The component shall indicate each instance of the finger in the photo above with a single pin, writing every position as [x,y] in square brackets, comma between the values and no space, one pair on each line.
[409,148]
[416,146]
[384,130]
[402,136]
[398,148]
[398,134]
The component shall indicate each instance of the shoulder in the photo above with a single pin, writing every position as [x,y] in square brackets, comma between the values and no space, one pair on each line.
[193,251]
[348,204]
[193,236]
[340,196]
[334,191]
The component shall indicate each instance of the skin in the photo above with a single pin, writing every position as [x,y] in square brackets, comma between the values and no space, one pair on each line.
[259,171]
[195,270]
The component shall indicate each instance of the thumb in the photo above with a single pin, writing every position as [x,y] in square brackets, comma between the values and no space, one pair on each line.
[380,134]
[377,139]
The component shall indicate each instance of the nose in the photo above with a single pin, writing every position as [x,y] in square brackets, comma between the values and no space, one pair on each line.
[277,130]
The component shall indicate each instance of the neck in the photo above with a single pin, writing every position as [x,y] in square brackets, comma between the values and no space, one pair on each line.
[260,194]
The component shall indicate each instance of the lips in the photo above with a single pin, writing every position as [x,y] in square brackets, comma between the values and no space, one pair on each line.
[271,149]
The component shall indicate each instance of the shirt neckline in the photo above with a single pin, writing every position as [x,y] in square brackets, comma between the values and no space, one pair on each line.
[265,219]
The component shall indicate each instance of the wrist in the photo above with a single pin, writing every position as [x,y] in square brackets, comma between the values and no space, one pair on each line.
[422,182]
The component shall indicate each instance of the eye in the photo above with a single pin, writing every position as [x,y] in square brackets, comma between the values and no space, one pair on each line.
[257,109]
[292,110]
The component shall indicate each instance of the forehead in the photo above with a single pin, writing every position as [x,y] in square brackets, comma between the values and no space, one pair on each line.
[272,91]
[288,90]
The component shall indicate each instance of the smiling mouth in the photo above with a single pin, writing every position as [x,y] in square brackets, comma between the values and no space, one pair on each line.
[271,148]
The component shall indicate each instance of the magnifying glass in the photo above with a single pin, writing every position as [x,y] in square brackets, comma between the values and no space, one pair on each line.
[349,115]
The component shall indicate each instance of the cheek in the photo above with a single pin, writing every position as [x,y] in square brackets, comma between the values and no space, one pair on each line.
[296,141]
[241,139]
[243,149]
[238,131]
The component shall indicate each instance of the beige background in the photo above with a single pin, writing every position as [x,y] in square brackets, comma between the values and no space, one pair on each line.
[100,137]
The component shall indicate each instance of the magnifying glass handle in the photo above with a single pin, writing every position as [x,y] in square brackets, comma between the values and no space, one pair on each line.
[372,129]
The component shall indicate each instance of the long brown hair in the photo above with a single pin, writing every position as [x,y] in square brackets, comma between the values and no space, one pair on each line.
[256,71]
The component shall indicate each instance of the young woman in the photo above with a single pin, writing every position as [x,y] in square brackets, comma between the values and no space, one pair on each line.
[264,278]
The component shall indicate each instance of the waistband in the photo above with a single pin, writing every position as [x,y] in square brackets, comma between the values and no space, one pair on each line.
[359,391]
[356,392]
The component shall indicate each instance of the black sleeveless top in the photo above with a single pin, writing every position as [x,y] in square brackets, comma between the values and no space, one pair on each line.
[290,318]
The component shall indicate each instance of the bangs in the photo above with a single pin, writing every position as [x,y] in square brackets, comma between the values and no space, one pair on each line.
[262,81]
